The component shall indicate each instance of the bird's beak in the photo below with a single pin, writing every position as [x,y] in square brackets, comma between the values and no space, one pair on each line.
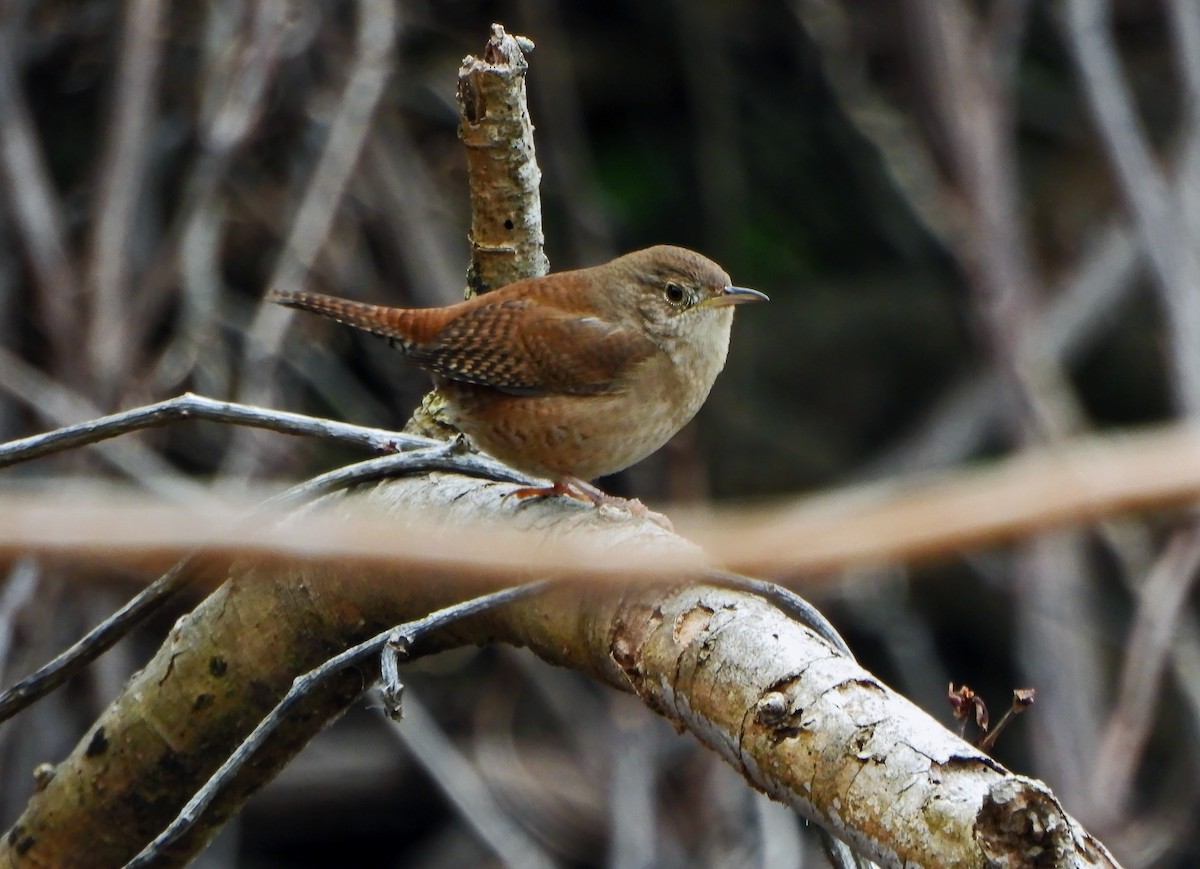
[735,296]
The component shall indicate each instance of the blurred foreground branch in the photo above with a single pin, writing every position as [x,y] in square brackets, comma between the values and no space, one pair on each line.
[925,517]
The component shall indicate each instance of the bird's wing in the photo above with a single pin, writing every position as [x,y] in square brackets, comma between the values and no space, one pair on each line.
[525,347]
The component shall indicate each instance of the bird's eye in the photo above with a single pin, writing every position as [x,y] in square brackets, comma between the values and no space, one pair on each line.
[675,294]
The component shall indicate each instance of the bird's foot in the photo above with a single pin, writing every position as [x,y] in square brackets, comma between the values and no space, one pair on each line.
[559,487]
[584,491]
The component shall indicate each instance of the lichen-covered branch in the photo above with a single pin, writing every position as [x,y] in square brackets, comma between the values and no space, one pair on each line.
[801,722]
[506,207]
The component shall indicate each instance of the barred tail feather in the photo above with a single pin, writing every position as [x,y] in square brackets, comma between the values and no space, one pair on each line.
[392,323]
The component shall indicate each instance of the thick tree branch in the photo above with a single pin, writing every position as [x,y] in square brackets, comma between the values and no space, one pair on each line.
[799,721]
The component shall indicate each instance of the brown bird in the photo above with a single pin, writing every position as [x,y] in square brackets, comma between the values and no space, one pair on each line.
[573,375]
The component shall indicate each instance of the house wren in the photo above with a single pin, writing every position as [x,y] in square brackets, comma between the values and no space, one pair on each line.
[573,375]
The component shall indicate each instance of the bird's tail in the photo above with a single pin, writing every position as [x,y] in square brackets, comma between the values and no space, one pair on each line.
[392,323]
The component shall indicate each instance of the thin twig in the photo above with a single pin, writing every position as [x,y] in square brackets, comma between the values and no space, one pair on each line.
[448,456]
[190,406]
[905,158]
[58,404]
[788,602]
[1184,27]
[408,635]
[19,587]
[1161,601]
[461,784]
[347,133]
[233,101]
[95,642]
[438,456]
[417,224]
[974,98]
[1185,33]
[122,175]
[1173,259]
[35,205]
[973,107]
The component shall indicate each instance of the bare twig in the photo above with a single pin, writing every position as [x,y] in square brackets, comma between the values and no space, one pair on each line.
[95,642]
[234,100]
[187,572]
[410,635]
[1185,31]
[905,157]
[347,133]
[1022,699]
[973,104]
[926,517]
[57,404]
[402,185]
[35,205]
[460,783]
[189,406]
[637,763]
[1161,601]
[19,586]
[122,176]
[1054,586]
[1173,258]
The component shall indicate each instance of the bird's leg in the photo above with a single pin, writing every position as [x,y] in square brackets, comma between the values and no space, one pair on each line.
[558,487]
[581,490]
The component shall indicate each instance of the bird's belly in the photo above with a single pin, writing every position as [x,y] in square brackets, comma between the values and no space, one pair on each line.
[557,436]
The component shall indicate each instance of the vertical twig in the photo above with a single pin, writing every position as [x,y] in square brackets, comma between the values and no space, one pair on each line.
[905,157]
[35,205]
[347,133]
[233,95]
[460,782]
[973,103]
[565,143]
[1184,20]
[122,177]
[970,67]
[405,192]
[506,208]
[1161,601]
[1172,255]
